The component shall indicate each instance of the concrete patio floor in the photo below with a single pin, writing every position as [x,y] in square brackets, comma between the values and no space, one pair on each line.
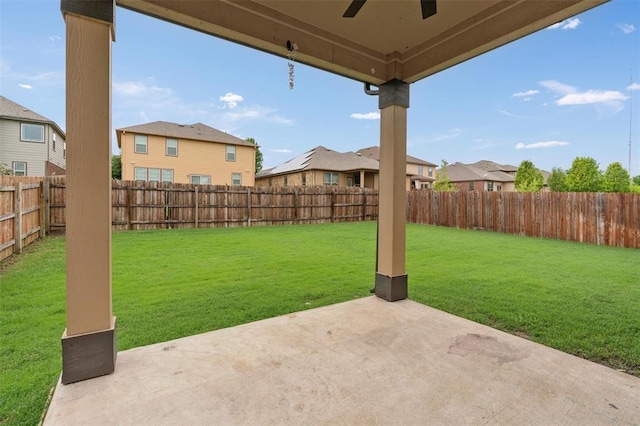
[365,362]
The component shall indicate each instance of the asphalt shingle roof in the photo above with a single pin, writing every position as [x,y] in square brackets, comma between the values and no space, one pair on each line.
[459,172]
[321,158]
[374,152]
[197,131]
[13,111]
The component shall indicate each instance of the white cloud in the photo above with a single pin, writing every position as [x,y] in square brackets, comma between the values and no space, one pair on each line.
[633,86]
[54,38]
[556,86]
[512,115]
[591,97]
[451,134]
[282,120]
[567,24]
[281,151]
[527,93]
[366,116]
[626,28]
[526,99]
[140,89]
[611,99]
[231,99]
[536,145]
[25,86]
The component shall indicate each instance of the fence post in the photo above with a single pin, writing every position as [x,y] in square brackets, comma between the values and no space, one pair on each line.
[195,214]
[364,203]
[295,206]
[333,201]
[129,208]
[41,211]
[18,219]
[249,206]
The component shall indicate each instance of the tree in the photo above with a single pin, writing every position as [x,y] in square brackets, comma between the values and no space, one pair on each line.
[636,180]
[557,180]
[528,178]
[5,170]
[442,182]
[258,154]
[584,175]
[116,167]
[615,179]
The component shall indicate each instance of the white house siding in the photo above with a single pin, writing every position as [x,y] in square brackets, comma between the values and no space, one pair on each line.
[13,149]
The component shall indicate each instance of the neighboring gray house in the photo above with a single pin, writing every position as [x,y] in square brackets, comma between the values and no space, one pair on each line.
[30,144]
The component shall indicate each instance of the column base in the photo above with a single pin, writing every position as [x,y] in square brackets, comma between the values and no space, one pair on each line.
[391,289]
[90,355]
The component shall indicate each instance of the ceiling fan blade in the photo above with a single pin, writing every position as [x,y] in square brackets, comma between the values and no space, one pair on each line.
[353,8]
[428,8]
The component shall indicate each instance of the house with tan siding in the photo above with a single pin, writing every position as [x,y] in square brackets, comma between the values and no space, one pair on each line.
[481,176]
[30,144]
[421,174]
[185,153]
[323,166]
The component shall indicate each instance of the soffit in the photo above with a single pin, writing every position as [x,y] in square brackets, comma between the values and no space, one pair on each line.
[386,40]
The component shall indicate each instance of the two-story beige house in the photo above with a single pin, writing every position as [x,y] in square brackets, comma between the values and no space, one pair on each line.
[30,144]
[185,153]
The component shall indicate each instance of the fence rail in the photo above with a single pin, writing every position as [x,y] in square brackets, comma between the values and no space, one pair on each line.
[32,207]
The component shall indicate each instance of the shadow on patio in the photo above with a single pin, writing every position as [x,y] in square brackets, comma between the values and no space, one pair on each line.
[365,361]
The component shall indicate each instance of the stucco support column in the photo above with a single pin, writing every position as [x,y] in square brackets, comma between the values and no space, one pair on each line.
[89,341]
[391,279]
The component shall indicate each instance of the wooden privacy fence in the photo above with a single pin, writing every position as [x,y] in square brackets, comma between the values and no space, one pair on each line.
[599,218]
[22,213]
[156,205]
[31,207]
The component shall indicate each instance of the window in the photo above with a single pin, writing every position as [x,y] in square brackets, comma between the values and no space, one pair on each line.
[200,179]
[430,171]
[420,170]
[304,179]
[270,181]
[470,186]
[236,179]
[19,168]
[64,150]
[286,181]
[32,132]
[140,144]
[330,178]
[499,187]
[171,149]
[167,175]
[231,153]
[53,141]
[489,186]
[152,175]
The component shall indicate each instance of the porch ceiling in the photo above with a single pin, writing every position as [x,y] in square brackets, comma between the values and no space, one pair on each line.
[385,40]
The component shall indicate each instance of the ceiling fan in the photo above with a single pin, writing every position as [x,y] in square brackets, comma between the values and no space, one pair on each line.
[428,8]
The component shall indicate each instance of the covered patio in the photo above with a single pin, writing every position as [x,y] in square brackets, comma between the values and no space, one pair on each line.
[365,361]
[377,362]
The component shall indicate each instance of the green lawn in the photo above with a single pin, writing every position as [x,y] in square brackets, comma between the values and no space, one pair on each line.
[581,299]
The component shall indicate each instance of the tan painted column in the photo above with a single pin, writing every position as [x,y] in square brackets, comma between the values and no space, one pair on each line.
[391,279]
[88,343]
[361,178]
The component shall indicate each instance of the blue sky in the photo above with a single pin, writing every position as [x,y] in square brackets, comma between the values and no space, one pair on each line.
[560,93]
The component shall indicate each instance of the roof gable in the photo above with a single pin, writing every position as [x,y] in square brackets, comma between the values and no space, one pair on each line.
[13,111]
[460,172]
[374,152]
[321,158]
[197,132]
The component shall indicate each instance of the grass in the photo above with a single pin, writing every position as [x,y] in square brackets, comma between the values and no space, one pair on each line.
[581,299]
